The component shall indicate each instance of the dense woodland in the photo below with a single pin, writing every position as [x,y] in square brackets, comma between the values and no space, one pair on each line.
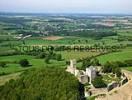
[46,84]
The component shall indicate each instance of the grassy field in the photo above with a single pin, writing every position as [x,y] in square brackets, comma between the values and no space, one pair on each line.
[72,40]
[40,63]
[77,55]
[116,56]
[66,40]
[35,63]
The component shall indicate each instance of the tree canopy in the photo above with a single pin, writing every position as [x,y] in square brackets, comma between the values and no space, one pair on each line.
[44,84]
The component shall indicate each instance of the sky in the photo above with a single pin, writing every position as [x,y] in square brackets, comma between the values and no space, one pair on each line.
[67,6]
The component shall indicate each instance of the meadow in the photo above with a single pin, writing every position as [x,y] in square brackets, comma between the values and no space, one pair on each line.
[35,63]
[125,54]
[40,63]
[66,55]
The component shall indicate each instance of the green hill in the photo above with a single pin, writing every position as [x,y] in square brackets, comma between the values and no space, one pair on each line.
[44,84]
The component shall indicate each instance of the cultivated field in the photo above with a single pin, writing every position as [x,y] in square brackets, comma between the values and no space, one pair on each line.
[53,38]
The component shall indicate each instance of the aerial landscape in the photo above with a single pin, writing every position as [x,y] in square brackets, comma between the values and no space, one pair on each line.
[65,55]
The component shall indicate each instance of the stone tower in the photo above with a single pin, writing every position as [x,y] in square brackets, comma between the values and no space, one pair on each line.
[91,72]
[72,67]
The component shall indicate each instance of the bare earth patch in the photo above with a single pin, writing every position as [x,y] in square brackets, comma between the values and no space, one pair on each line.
[6,78]
[53,38]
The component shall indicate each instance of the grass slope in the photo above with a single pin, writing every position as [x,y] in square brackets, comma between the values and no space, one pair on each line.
[116,56]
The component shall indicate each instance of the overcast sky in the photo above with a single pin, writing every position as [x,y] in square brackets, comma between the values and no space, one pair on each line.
[67,6]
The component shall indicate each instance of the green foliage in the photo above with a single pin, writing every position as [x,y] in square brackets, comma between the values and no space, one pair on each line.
[98,34]
[86,63]
[24,63]
[41,55]
[44,84]
[128,62]
[47,59]
[9,53]
[118,72]
[112,67]
[91,98]
[58,57]
[107,68]
[116,56]
[115,66]
[95,62]
[2,64]
[89,61]
[98,82]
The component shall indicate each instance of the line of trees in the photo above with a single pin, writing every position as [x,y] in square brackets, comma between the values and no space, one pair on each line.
[97,34]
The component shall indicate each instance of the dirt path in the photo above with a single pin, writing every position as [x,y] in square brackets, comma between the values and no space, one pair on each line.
[6,78]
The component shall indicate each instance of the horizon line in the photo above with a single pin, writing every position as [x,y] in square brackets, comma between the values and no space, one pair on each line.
[90,13]
[66,13]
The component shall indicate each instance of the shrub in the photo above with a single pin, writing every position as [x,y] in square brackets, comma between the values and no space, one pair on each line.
[128,62]
[58,57]
[118,72]
[41,55]
[2,64]
[98,82]
[47,59]
[24,63]
[95,62]
[107,68]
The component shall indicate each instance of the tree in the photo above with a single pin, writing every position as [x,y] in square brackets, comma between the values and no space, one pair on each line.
[118,72]
[112,67]
[95,62]
[98,82]
[58,57]
[67,62]
[107,68]
[41,55]
[24,63]
[2,64]
[128,62]
[86,63]
[47,59]
[43,84]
